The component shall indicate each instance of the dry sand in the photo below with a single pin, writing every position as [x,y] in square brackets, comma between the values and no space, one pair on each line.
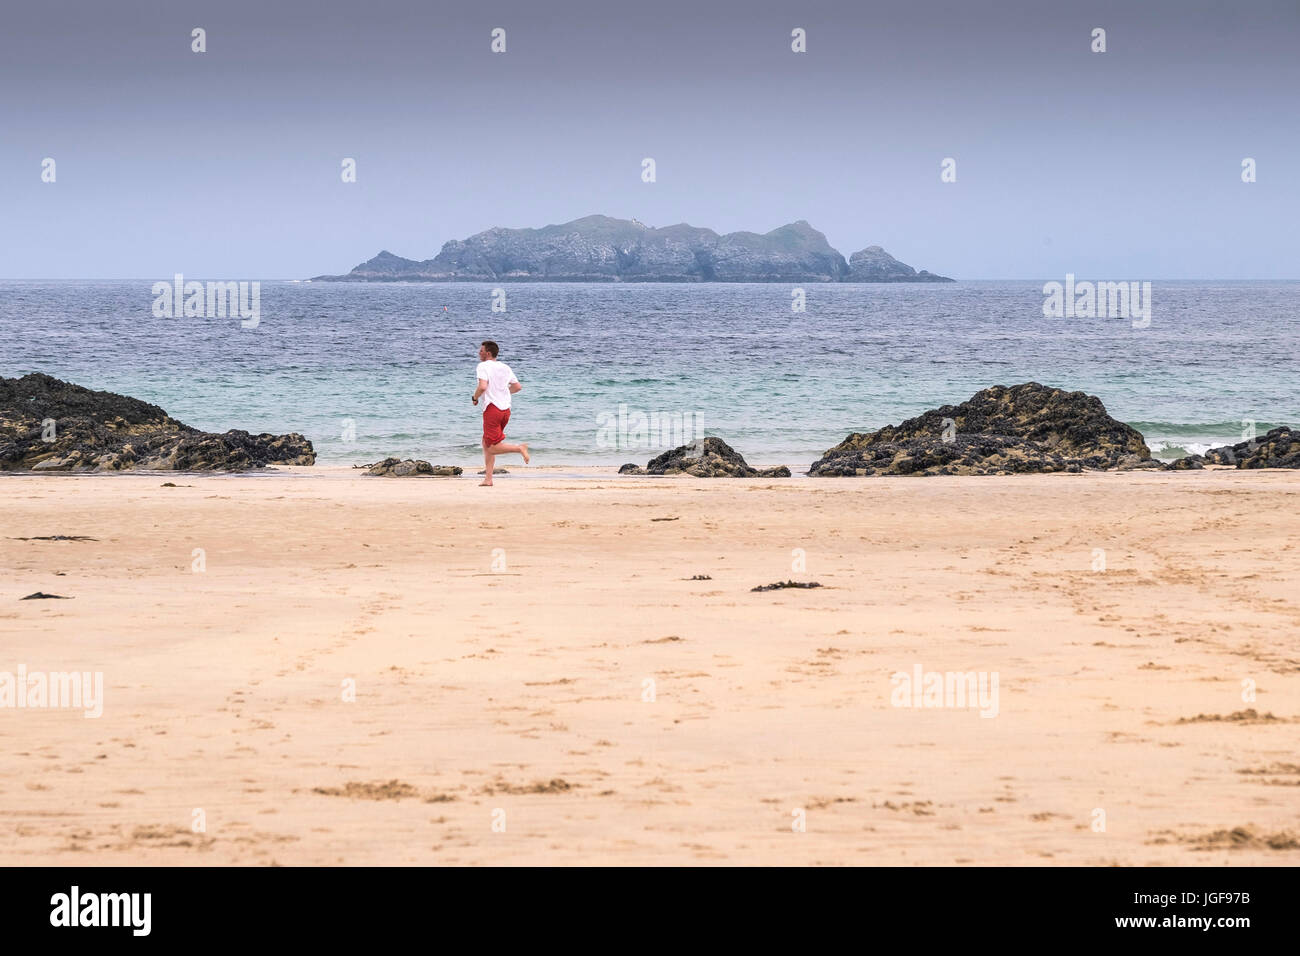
[521,689]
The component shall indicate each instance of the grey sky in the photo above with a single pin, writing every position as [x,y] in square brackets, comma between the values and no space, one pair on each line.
[226,164]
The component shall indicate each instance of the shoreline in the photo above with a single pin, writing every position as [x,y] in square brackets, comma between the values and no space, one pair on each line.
[1024,428]
[577,472]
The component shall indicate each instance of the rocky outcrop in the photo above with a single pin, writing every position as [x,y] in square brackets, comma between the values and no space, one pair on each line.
[410,468]
[715,459]
[1280,448]
[50,425]
[965,455]
[874,264]
[602,249]
[1022,429]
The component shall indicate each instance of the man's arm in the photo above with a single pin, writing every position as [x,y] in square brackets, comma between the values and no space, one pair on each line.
[515,387]
[478,392]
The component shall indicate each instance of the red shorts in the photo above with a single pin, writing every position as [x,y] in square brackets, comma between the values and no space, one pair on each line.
[494,425]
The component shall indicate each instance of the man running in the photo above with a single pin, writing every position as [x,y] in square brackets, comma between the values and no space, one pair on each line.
[498,383]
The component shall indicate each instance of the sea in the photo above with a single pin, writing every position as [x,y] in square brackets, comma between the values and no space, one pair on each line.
[616,373]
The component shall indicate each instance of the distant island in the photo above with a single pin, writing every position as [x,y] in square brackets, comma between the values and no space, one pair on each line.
[602,249]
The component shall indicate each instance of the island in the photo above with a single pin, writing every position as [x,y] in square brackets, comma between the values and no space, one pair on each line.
[603,249]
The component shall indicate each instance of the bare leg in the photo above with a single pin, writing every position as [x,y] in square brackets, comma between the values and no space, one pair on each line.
[501,448]
[489,462]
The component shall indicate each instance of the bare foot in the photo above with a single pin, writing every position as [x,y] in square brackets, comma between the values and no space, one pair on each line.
[485,484]
[524,451]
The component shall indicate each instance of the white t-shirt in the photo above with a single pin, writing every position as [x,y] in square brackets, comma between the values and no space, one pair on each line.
[498,377]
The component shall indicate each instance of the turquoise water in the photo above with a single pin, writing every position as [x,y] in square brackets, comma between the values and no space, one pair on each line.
[779,386]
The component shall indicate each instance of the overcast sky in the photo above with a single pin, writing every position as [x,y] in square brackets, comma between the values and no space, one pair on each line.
[226,164]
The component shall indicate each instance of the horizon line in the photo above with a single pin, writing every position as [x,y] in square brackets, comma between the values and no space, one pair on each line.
[618,282]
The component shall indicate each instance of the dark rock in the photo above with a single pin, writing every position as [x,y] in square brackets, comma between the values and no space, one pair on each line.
[603,249]
[964,455]
[713,458]
[1134,463]
[1023,429]
[779,585]
[410,468]
[42,596]
[1279,448]
[631,469]
[103,431]
[1188,463]
[874,264]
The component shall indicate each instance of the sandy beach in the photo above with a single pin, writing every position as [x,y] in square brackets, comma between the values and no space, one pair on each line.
[541,679]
